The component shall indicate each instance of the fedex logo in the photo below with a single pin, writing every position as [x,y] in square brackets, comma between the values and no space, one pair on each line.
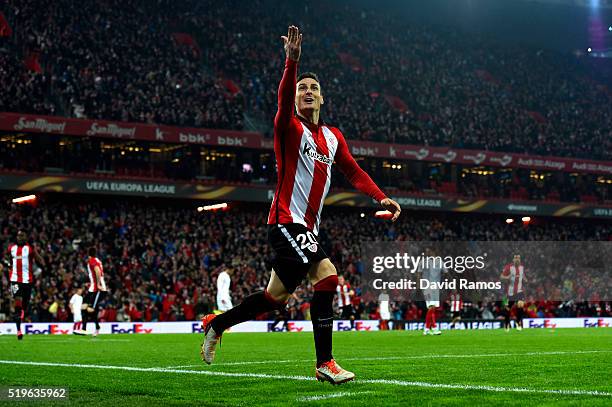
[53,329]
[596,324]
[137,329]
[359,326]
[547,323]
[196,328]
[291,326]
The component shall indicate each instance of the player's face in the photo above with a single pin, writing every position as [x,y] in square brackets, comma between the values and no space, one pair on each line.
[308,95]
[517,259]
[21,237]
[341,280]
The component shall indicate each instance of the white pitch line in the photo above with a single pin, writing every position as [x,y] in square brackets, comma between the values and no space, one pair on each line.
[310,378]
[331,395]
[429,356]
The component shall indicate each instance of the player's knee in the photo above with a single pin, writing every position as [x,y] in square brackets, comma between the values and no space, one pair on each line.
[327,268]
[328,283]
[278,299]
[90,310]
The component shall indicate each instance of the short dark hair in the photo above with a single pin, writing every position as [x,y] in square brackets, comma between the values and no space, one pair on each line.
[308,75]
[92,251]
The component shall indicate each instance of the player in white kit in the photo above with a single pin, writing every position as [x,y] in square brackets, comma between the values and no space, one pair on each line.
[76,301]
[224,298]
[385,313]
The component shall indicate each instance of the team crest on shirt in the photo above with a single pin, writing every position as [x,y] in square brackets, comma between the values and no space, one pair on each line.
[312,247]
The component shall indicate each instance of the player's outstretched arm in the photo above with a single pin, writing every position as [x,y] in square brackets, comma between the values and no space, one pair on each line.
[286,90]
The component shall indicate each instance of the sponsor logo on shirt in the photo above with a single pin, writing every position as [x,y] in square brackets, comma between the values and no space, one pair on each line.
[309,152]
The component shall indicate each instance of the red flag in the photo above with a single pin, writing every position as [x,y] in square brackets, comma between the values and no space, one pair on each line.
[5,28]
[31,62]
[231,86]
[187,40]
[397,103]
[536,116]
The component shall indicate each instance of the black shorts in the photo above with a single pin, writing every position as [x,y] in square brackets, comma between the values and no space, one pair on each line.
[295,249]
[21,290]
[347,312]
[512,299]
[93,299]
[456,314]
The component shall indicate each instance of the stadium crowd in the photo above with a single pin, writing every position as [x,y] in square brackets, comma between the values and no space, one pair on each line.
[160,263]
[383,79]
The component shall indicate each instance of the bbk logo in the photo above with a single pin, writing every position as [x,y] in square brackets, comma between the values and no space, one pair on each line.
[53,329]
[137,329]
[193,138]
[596,323]
[367,151]
[230,141]
[159,134]
[547,323]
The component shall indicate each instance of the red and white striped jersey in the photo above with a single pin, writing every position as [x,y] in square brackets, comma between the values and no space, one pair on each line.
[515,281]
[456,302]
[21,269]
[92,262]
[305,154]
[344,296]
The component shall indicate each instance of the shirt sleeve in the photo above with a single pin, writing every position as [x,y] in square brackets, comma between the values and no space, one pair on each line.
[354,173]
[286,95]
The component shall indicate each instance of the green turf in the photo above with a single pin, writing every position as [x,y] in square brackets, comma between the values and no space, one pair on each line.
[410,357]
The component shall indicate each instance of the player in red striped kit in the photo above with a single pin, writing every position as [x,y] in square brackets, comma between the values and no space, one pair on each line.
[96,293]
[514,275]
[305,149]
[21,257]
[456,306]
[344,294]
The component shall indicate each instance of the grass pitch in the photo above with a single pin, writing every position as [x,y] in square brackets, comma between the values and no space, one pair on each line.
[543,367]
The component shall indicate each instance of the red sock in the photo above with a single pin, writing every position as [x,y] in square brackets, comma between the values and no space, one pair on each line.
[430,318]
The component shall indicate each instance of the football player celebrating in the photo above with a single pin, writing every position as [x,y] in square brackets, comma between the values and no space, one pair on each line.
[305,149]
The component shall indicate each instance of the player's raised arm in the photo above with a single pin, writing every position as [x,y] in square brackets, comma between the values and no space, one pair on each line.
[286,90]
[361,180]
